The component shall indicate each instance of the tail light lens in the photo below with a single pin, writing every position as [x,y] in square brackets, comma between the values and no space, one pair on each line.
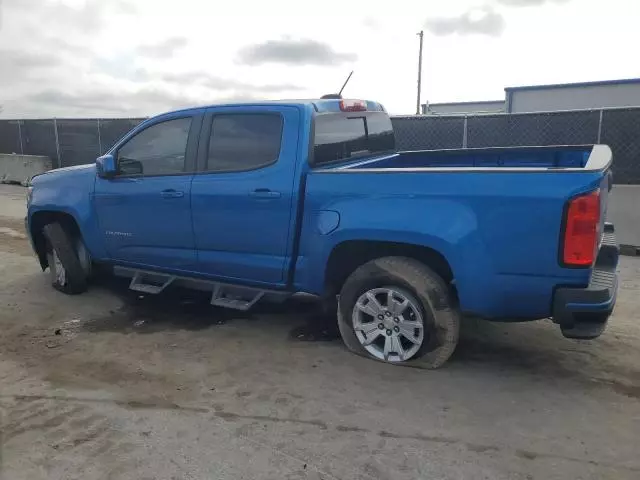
[353,105]
[582,227]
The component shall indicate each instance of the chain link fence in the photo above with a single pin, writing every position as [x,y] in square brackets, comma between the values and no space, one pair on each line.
[423,133]
[618,128]
[66,141]
[621,131]
[77,141]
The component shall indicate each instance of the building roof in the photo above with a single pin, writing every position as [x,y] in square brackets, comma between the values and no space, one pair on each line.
[453,104]
[623,81]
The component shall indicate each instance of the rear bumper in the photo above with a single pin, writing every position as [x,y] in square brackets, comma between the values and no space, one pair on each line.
[583,312]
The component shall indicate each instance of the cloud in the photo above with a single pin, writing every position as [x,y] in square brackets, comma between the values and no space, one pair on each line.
[88,16]
[482,21]
[529,3]
[200,78]
[164,49]
[214,82]
[19,59]
[50,35]
[63,58]
[19,67]
[293,52]
[62,46]
[371,23]
[103,101]
[110,100]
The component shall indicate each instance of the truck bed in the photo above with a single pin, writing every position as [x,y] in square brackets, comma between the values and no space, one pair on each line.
[555,157]
[494,214]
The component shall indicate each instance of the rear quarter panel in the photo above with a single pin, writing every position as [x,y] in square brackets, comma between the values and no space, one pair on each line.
[498,231]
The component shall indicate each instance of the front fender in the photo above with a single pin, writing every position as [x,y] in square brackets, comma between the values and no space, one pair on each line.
[71,193]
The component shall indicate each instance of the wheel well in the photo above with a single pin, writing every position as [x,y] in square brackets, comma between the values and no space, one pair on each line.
[42,218]
[348,256]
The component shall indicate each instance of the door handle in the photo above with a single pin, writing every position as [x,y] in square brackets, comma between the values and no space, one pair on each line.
[265,193]
[171,193]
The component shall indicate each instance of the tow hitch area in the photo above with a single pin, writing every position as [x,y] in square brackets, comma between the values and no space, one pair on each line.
[582,313]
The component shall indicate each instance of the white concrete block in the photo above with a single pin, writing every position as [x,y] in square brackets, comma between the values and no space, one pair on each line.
[21,168]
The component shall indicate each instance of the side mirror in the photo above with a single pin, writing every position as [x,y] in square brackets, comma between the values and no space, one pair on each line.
[106,166]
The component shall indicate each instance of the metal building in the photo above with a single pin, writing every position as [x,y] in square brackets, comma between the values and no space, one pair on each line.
[573,96]
[549,98]
[462,108]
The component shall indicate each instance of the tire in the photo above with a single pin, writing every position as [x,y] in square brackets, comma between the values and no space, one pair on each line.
[66,270]
[425,292]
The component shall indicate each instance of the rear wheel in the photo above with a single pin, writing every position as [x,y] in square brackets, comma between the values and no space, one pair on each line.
[397,310]
[65,267]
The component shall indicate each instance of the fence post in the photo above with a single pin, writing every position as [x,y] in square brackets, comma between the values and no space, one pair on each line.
[600,125]
[20,137]
[99,140]
[464,133]
[55,129]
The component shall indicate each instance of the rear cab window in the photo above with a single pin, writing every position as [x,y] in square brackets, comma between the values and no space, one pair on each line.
[343,136]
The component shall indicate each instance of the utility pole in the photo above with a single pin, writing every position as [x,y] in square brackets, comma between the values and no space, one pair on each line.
[421,35]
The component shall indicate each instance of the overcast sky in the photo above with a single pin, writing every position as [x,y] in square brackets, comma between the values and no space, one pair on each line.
[84,58]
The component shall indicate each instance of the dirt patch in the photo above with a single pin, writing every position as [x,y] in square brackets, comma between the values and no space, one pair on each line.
[174,309]
[183,309]
[13,238]
[593,369]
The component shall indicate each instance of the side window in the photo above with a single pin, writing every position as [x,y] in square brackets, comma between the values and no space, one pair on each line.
[244,141]
[157,150]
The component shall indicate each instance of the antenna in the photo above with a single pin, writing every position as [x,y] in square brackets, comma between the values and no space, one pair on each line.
[336,96]
[345,83]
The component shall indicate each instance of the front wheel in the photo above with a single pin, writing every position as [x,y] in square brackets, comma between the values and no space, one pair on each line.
[397,310]
[65,267]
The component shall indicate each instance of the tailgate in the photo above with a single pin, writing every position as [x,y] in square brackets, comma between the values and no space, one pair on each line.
[605,190]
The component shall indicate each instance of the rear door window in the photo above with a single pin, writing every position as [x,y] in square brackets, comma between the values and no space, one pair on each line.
[244,141]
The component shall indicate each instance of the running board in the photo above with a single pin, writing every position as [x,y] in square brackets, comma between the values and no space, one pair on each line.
[238,298]
[139,285]
[224,295]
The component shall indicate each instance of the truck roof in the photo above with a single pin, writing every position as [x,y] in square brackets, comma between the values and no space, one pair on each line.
[318,105]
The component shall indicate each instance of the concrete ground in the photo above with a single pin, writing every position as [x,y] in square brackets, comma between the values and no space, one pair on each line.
[12,200]
[111,385]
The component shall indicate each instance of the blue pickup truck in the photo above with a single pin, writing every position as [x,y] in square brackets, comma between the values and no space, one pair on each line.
[263,200]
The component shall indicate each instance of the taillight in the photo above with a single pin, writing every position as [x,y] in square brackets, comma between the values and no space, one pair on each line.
[353,105]
[582,227]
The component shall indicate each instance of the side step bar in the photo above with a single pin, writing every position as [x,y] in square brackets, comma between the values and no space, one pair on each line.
[223,295]
[139,285]
[238,298]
